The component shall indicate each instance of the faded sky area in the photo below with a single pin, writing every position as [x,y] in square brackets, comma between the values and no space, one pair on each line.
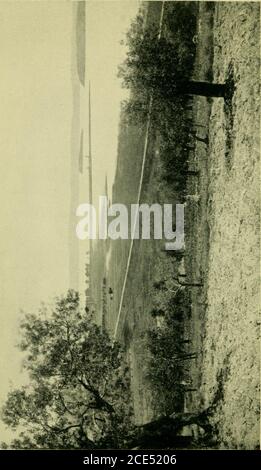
[107,23]
[35,120]
[35,95]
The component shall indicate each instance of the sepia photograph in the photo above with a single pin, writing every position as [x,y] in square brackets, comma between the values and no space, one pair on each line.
[130,227]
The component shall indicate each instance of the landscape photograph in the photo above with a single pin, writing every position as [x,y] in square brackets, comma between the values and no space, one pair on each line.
[130,240]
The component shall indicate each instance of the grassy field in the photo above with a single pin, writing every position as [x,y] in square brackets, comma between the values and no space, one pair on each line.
[222,238]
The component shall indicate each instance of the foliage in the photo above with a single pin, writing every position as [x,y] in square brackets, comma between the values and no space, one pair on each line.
[155,64]
[78,395]
[165,368]
[153,70]
[168,348]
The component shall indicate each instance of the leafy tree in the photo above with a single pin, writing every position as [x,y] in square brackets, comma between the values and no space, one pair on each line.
[78,395]
[162,69]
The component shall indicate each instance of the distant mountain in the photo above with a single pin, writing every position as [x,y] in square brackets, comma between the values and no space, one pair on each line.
[77,80]
[80,41]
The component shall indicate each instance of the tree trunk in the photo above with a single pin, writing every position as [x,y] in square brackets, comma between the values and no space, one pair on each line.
[163,431]
[191,172]
[189,147]
[191,284]
[204,140]
[192,124]
[186,357]
[193,87]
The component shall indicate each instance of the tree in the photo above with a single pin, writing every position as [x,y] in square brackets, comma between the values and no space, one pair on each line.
[78,395]
[163,432]
[163,68]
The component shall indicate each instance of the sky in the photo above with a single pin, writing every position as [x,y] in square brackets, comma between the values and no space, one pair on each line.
[107,23]
[35,120]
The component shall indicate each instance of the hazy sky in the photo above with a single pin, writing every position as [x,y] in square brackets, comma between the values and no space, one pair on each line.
[35,120]
[35,95]
[106,24]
